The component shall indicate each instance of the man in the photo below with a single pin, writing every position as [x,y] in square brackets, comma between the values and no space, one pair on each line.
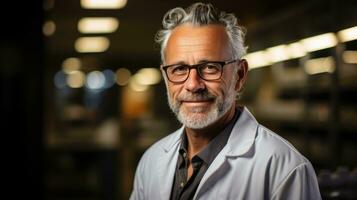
[221,152]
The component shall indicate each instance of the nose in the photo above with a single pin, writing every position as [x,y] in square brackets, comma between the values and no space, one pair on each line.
[194,83]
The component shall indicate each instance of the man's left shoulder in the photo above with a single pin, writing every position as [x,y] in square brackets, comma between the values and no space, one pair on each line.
[275,147]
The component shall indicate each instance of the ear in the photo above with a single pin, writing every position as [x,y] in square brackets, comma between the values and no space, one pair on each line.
[162,70]
[163,74]
[242,74]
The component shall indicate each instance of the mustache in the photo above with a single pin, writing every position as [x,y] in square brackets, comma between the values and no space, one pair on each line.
[197,96]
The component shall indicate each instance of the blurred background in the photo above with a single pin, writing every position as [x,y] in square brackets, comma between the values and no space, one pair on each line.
[82,96]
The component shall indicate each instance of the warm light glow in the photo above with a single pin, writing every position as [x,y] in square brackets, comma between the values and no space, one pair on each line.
[91,44]
[76,79]
[103,4]
[49,28]
[148,76]
[319,65]
[95,80]
[257,59]
[350,57]
[295,50]
[98,25]
[135,85]
[71,64]
[123,76]
[319,42]
[299,49]
[348,34]
[277,53]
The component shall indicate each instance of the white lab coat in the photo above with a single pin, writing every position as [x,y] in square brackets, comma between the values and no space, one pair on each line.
[255,164]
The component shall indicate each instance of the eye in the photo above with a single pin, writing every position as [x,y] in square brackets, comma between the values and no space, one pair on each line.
[210,68]
[178,69]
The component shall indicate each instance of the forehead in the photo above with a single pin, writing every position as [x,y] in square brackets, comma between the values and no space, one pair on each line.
[209,41]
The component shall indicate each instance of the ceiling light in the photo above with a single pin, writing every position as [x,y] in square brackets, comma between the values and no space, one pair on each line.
[319,42]
[109,78]
[135,85]
[277,53]
[91,44]
[148,76]
[348,34]
[295,50]
[71,64]
[49,28]
[257,59]
[95,80]
[103,4]
[98,25]
[123,76]
[60,80]
[76,79]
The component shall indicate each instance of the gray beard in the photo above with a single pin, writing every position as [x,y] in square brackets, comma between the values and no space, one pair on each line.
[198,118]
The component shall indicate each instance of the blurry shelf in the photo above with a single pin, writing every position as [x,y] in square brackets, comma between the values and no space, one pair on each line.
[75,182]
[293,114]
[280,111]
[72,174]
[78,143]
[104,136]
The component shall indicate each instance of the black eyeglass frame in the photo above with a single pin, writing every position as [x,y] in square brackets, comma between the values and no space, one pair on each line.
[195,66]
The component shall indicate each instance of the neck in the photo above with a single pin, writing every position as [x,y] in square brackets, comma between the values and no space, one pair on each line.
[199,138]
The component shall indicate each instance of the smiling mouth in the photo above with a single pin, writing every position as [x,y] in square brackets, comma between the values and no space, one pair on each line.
[197,103]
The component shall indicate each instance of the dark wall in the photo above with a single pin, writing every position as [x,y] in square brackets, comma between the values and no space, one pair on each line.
[21,53]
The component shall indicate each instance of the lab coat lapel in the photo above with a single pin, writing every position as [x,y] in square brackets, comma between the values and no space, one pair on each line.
[167,165]
[212,173]
[239,143]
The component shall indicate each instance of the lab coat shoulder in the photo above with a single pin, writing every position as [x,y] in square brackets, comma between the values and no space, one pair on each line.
[289,173]
[149,166]
[271,146]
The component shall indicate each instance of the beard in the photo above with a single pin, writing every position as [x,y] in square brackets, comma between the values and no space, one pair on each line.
[201,117]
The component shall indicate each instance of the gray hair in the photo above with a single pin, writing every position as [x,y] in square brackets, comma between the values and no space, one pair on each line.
[199,14]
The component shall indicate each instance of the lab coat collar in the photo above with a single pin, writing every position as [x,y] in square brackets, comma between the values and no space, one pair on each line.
[174,140]
[243,134]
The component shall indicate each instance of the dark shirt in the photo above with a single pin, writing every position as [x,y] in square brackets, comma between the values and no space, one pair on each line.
[185,189]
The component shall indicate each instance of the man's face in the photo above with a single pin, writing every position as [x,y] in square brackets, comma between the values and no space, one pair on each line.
[198,103]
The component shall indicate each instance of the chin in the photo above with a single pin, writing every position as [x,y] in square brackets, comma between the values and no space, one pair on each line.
[198,120]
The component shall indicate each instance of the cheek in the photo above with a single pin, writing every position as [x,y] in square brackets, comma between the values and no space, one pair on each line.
[224,88]
[173,90]
[218,89]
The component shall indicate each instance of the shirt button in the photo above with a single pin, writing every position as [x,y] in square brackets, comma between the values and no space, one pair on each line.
[182,184]
[184,155]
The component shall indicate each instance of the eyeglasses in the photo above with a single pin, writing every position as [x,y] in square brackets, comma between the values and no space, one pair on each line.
[208,71]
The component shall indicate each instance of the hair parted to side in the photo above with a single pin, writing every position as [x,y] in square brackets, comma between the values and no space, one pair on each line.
[200,14]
